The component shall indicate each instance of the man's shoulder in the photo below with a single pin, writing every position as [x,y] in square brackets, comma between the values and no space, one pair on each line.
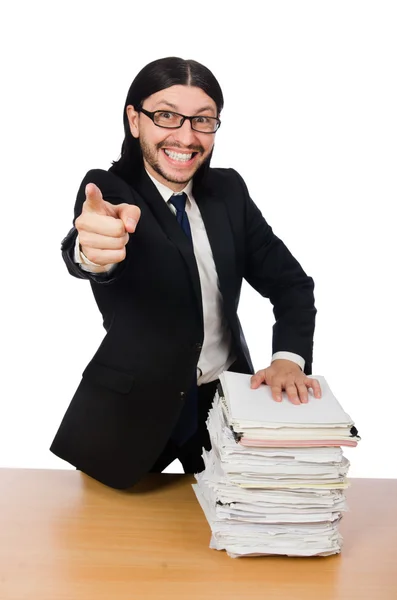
[104,175]
[220,176]
[110,184]
[222,173]
[225,178]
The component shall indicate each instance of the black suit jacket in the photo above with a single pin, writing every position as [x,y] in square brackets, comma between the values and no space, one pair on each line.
[133,389]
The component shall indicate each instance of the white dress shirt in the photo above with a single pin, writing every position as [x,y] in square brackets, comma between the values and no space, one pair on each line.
[216,355]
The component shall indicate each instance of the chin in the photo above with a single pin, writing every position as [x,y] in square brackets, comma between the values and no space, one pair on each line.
[176,176]
[179,178]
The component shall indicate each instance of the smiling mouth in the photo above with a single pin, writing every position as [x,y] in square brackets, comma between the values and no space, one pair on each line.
[180,157]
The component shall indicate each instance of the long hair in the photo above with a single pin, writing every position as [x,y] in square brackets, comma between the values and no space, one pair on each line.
[159,75]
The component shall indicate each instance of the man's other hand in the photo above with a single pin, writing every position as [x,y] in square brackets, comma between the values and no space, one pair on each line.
[288,376]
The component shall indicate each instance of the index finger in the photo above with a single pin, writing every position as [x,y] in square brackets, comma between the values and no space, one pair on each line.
[93,199]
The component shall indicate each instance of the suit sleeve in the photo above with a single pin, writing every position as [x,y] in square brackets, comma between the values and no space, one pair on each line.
[113,190]
[271,270]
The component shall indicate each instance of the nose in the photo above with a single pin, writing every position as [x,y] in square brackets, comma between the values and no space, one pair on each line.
[185,134]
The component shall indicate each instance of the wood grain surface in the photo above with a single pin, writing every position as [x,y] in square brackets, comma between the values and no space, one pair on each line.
[65,536]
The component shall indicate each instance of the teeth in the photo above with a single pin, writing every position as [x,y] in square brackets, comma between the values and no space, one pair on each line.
[178,155]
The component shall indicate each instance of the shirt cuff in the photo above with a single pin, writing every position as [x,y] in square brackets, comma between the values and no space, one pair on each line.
[290,356]
[86,264]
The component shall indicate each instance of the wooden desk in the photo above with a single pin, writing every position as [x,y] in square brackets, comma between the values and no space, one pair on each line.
[65,536]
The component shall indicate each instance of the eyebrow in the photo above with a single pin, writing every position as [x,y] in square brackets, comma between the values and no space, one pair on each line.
[175,108]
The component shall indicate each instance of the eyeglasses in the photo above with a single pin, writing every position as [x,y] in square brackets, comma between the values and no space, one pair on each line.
[173,120]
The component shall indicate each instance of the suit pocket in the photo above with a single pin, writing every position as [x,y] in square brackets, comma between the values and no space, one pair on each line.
[108,377]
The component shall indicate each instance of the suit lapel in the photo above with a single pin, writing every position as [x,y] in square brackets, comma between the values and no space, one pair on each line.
[172,230]
[217,224]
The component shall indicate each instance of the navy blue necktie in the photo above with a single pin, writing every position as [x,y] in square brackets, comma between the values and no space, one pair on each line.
[187,423]
[178,201]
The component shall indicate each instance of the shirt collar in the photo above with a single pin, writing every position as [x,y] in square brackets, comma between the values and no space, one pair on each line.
[166,192]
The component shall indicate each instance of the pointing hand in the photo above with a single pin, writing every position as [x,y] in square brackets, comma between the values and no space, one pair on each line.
[104,227]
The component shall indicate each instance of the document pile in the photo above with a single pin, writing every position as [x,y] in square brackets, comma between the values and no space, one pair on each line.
[274,479]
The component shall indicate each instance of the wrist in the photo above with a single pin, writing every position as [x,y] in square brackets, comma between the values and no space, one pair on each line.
[291,357]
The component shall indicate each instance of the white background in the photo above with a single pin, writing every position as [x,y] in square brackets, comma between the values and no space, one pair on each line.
[310,123]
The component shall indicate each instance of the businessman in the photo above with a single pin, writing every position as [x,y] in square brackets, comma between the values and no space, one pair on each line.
[165,241]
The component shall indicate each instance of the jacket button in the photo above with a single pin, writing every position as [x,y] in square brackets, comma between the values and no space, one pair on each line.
[183,394]
[198,347]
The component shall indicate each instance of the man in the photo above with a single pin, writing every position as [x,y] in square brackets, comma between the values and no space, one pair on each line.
[165,242]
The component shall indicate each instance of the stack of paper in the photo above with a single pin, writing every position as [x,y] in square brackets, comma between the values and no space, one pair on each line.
[274,480]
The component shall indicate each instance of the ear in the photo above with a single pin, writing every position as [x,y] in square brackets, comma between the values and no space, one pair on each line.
[133,119]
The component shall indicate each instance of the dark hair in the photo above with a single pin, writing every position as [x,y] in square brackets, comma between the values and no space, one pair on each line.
[159,75]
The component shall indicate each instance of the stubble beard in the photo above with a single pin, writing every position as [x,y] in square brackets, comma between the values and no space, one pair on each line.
[149,154]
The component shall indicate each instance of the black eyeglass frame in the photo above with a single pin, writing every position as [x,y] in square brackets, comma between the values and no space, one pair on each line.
[183,119]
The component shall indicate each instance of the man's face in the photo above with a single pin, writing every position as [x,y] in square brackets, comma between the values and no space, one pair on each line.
[157,143]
